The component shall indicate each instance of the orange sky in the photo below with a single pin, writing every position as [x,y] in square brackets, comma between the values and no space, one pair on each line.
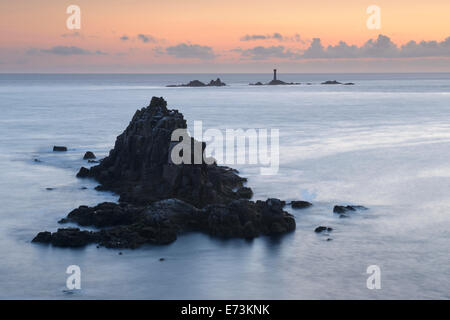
[40,24]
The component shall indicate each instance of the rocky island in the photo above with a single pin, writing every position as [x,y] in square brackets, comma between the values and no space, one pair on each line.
[198,83]
[160,199]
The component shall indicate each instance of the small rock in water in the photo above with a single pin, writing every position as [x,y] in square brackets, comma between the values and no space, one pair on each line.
[89,155]
[300,204]
[161,259]
[322,229]
[59,148]
[83,188]
[346,209]
[49,189]
[93,161]
[120,253]
[37,160]
[329,239]
[83,173]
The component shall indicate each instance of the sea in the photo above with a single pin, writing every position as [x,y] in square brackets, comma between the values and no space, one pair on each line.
[383,143]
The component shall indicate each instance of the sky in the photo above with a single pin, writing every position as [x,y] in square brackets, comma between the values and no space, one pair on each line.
[207,36]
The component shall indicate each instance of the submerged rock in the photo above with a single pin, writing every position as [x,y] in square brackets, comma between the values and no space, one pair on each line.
[300,204]
[347,209]
[59,148]
[331,82]
[323,229]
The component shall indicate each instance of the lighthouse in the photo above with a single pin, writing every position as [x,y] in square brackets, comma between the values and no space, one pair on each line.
[275,74]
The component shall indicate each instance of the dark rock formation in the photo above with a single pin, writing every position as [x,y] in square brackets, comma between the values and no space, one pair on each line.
[140,170]
[349,84]
[323,229]
[345,209]
[160,222]
[300,204]
[59,149]
[256,84]
[160,199]
[331,82]
[198,83]
[89,155]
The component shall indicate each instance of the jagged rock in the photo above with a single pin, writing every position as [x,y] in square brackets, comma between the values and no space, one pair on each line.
[89,155]
[140,170]
[323,229]
[347,209]
[160,199]
[83,173]
[216,83]
[245,193]
[300,204]
[59,148]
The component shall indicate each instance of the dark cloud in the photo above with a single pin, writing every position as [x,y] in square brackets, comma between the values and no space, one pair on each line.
[65,51]
[381,47]
[184,50]
[274,36]
[124,38]
[146,38]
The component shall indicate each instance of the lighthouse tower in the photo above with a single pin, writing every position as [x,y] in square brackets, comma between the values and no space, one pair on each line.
[275,74]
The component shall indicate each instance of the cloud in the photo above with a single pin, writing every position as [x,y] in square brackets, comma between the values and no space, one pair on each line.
[64,51]
[274,36]
[124,38]
[146,38]
[381,47]
[263,53]
[186,50]
[75,34]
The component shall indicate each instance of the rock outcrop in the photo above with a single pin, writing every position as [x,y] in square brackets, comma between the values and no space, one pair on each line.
[160,199]
[129,226]
[198,83]
[140,170]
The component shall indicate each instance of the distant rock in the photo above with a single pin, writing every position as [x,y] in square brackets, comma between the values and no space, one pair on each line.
[331,82]
[349,84]
[256,84]
[198,83]
[323,229]
[89,155]
[300,204]
[59,149]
